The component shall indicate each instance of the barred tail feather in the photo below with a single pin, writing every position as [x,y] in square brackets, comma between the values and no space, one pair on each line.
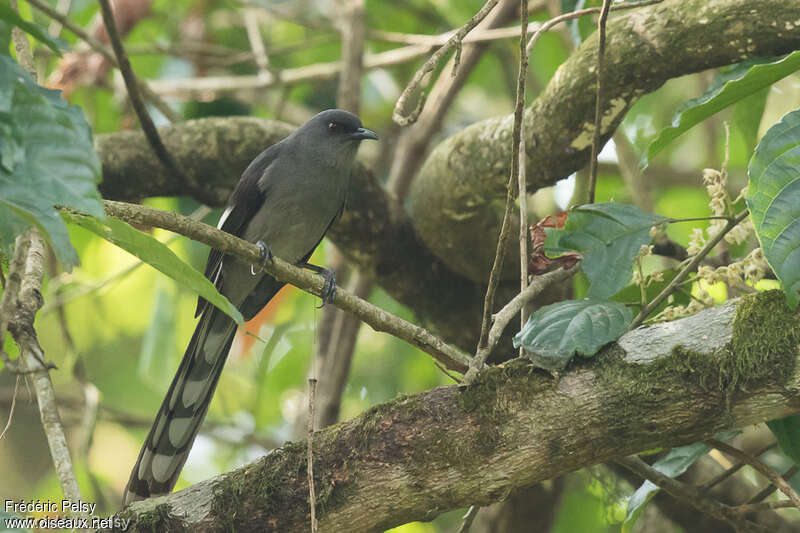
[182,412]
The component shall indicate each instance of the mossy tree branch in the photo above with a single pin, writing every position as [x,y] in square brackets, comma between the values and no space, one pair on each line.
[418,456]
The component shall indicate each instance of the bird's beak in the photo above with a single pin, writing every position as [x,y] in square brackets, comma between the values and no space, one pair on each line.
[363,133]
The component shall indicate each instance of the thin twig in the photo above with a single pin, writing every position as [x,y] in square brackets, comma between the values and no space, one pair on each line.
[758,465]
[250,16]
[377,318]
[312,500]
[209,85]
[11,410]
[420,80]
[503,317]
[722,476]
[690,267]
[688,494]
[132,84]
[469,517]
[546,26]
[598,112]
[522,178]
[502,241]
[748,508]
[769,489]
[101,49]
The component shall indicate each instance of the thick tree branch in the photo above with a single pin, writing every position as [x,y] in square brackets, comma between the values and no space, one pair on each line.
[449,447]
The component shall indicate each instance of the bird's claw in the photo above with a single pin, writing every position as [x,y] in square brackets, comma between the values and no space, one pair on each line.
[329,289]
[266,257]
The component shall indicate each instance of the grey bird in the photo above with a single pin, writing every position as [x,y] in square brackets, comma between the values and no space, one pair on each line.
[285,201]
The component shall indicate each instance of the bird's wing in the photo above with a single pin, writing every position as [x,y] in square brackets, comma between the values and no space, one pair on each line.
[247,198]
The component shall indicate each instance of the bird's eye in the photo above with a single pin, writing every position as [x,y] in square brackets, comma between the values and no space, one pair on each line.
[332,126]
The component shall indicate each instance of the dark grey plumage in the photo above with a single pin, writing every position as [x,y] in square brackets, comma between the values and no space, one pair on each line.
[287,198]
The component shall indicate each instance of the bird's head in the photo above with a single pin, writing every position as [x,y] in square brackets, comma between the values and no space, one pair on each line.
[337,127]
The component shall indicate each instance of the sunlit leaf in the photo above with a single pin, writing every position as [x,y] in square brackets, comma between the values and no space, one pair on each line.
[556,332]
[47,158]
[608,236]
[157,255]
[773,197]
[729,89]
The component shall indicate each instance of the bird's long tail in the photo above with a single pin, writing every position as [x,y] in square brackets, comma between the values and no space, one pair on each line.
[179,418]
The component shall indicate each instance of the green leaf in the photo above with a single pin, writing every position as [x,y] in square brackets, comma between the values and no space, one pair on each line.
[47,159]
[13,19]
[556,332]
[675,463]
[787,432]
[747,115]
[157,255]
[773,197]
[609,236]
[731,87]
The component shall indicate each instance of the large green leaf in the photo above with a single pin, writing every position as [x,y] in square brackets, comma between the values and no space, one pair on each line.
[729,88]
[556,332]
[787,432]
[609,236]
[158,255]
[47,159]
[773,196]
[12,18]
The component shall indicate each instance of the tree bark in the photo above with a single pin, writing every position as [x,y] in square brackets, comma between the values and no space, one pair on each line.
[418,456]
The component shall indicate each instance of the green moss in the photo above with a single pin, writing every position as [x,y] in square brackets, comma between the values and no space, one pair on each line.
[766,335]
[763,348]
[764,344]
[159,519]
[491,395]
[271,489]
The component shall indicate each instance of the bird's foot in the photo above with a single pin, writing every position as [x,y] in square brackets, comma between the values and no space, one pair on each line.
[329,289]
[266,257]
